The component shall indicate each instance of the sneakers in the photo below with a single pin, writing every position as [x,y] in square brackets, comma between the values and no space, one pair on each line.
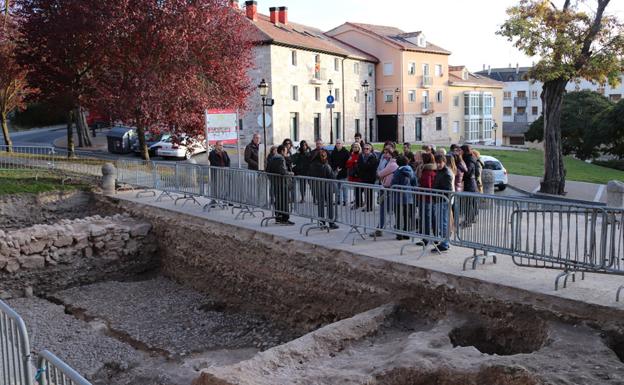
[376,233]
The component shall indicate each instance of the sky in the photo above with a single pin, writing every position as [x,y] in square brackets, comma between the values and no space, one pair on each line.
[467,28]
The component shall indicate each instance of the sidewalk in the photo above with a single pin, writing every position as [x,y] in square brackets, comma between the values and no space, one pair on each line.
[583,191]
[100,143]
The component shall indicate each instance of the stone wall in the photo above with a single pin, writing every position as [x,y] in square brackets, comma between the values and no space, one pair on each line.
[49,257]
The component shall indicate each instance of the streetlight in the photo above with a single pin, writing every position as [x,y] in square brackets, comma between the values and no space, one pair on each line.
[365,86]
[396,94]
[330,84]
[263,88]
[495,126]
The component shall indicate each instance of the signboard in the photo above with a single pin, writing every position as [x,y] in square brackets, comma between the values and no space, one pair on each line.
[330,99]
[222,125]
[331,106]
[267,120]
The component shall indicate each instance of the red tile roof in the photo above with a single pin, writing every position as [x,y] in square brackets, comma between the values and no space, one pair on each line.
[304,37]
[456,79]
[399,38]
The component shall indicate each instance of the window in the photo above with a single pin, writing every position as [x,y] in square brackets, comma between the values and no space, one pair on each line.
[472,129]
[370,97]
[521,110]
[317,94]
[438,123]
[294,126]
[521,94]
[534,95]
[425,101]
[356,68]
[388,69]
[455,127]
[507,95]
[455,101]
[507,111]
[317,126]
[487,129]
[293,57]
[534,110]
[411,68]
[240,124]
[388,96]
[336,64]
[426,69]
[472,103]
[438,70]
[356,96]
[337,129]
[439,96]
[411,96]
[295,93]
[487,104]
[357,126]
[371,70]
[317,67]
[337,94]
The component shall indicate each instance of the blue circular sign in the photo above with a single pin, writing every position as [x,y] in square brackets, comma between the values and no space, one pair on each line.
[330,99]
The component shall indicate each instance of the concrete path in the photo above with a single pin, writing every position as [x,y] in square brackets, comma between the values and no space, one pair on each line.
[584,191]
[595,289]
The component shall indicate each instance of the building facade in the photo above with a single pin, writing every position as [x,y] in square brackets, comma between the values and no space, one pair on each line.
[298,62]
[412,82]
[475,107]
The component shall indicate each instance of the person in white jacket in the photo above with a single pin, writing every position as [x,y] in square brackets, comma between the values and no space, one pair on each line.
[385,179]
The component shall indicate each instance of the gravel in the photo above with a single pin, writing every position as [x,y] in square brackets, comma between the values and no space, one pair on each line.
[166,318]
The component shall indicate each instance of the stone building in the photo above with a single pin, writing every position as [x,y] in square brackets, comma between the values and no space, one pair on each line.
[298,62]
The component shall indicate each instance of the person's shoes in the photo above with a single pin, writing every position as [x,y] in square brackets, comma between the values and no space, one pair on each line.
[402,237]
[302,201]
[289,223]
[333,226]
[421,243]
[376,233]
[439,249]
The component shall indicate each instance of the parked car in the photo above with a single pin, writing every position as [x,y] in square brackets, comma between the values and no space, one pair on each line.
[500,172]
[184,147]
[150,140]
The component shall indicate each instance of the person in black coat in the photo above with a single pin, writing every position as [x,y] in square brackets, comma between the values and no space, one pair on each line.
[301,166]
[323,187]
[251,152]
[367,171]
[278,172]
[470,185]
[338,162]
[218,157]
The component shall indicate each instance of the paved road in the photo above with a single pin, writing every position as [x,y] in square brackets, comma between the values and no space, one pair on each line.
[38,136]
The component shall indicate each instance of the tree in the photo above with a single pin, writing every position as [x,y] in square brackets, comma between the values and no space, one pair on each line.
[13,86]
[63,45]
[169,60]
[572,43]
[612,124]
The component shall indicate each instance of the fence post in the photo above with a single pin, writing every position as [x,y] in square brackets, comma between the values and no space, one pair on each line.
[487,178]
[615,194]
[108,179]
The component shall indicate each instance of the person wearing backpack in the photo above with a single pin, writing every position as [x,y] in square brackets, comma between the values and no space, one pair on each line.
[403,201]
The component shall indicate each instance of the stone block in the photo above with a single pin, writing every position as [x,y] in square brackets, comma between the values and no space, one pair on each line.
[64,240]
[88,252]
[30,262]
[615,194]
[99,245]
[34,247]
[140,229]
[96,230]
[3,261]
[12,266]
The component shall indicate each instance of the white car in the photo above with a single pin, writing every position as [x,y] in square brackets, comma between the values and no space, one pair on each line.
[500,172]
[185,147]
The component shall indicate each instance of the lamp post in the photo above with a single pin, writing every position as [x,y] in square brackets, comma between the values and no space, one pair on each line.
[396,95]
[263,88]
[495,127]
[330,85]
[365,86]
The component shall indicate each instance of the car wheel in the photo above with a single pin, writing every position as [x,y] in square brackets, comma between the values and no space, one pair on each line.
[502,187]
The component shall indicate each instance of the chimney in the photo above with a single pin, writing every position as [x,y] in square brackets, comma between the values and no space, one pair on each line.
[517,68]
[484,67]
[273,14]
[283,15]
[251,9]
[489,70]
[234,4]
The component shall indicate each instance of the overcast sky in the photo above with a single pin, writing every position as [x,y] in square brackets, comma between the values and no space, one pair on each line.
[464,27]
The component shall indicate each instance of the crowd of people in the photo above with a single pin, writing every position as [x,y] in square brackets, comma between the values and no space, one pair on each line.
[426,168]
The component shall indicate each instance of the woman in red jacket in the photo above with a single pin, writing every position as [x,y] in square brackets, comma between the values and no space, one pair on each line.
[352,174]
[424,205]
[428,171]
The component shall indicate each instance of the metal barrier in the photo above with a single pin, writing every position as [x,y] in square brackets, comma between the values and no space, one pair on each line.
[14,348]
[53,371]
[27,158]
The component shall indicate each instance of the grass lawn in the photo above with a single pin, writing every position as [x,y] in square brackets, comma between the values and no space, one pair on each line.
[531,163]
[27,181]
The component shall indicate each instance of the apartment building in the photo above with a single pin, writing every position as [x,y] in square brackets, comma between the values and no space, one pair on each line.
[298,62]
[522,103]
[412,93]
[475,110]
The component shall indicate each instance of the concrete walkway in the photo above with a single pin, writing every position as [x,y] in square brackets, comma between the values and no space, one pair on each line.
[583,191]
[596,289]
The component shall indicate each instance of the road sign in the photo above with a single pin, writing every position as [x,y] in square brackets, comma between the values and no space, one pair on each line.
[330,99]
[268,120]
[221,125]
[331,105]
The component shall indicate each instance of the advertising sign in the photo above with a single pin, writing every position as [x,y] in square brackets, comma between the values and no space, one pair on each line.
[222,125]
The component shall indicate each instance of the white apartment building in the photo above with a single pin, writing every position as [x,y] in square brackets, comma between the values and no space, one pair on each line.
[298,62]
[522,103]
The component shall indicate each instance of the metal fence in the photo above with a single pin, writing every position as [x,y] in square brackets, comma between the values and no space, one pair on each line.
[570,237]
[51,370]
[14,349]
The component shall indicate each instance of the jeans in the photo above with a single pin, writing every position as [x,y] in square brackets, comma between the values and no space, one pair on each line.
[441,229]
[342,194]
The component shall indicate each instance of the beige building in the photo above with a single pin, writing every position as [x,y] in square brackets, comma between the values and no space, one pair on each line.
[475,107]
[298,62]
[412,83]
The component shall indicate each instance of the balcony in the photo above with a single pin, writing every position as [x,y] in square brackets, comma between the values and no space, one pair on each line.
[318,77]
[426,108]
[427,81]
[521,118]
[521,101]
